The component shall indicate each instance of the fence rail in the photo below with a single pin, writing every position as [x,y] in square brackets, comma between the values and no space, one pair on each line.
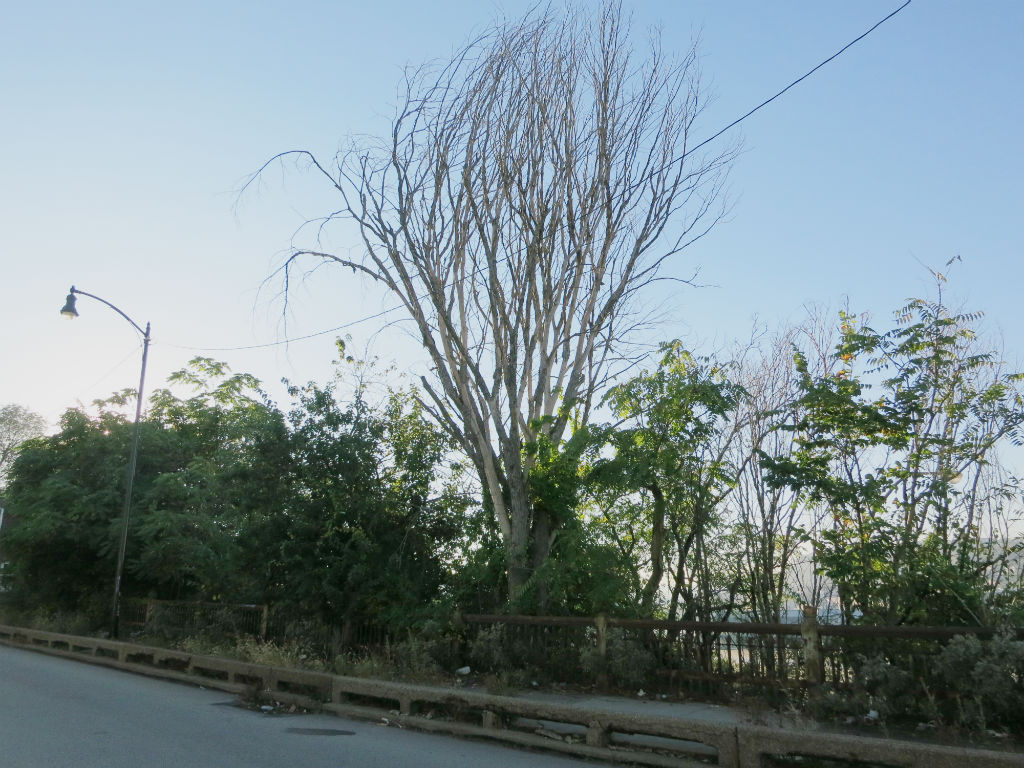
[173,617]
[658,655]
[667,656]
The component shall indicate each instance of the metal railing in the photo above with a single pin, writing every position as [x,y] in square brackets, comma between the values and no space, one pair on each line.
[176,618]
[661,656]
[675,656]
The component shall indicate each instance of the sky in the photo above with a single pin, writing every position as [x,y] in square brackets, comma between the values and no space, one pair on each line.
[128,129]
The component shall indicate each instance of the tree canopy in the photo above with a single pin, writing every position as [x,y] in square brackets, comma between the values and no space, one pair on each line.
[17,424]
[900,443]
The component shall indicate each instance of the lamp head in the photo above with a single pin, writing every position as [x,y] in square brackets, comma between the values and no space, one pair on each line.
[69,310]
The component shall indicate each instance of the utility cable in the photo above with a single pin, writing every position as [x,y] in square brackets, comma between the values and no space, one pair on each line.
[289,340]
[810,72]
[113,368]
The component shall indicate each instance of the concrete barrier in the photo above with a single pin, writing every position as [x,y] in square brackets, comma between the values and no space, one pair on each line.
[586,731]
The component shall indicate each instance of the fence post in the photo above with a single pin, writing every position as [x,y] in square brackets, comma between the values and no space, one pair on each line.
[601,623]
[264,615]
[814,668]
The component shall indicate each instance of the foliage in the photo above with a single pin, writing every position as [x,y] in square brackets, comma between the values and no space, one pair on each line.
[507,651]
[981,683]
[371,525]
[968,685]
[773,567]
[627,663]
[353,518]
[908,475]
[65,496]
[345,513]
[661,474]
[206,464]
[17,424]
[293,654]
[579,573]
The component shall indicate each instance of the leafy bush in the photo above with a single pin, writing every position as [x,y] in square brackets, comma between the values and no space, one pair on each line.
[970,685]
[203,645]
[418,659]
[627,662]
[292,654]
[93,617]
[503,650]
[489,649]
[983,682]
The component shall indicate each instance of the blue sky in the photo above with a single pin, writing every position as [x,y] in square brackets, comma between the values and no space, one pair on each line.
[127,129]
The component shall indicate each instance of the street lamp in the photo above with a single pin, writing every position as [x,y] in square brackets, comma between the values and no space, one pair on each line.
[70,312]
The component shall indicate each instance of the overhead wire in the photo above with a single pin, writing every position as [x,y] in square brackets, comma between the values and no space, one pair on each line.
[803,77]
[288,340]
[113,368]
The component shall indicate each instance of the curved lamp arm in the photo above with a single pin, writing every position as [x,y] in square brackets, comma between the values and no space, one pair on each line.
[70,311]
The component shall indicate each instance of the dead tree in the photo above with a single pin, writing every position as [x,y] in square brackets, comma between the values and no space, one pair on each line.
[529,189]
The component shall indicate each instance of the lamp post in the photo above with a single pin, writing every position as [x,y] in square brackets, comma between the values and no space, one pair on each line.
[70,312]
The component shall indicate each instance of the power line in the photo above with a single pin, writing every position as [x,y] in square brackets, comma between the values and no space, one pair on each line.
[682,157]
[113,368]
[289,340]
[810,72]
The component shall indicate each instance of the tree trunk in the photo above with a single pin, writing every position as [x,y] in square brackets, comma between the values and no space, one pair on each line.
[541,550]
[650,590]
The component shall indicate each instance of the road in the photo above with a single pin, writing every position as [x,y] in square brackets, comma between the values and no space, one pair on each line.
[60,713]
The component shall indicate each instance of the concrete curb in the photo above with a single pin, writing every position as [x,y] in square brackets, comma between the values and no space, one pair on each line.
[575,729]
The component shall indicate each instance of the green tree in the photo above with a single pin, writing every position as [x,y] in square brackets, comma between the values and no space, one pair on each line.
[206,464]
[231,452]
[65,494]
[17,424]
[580,572]
[669,471]
[373,523]
[776,565]
[900,443]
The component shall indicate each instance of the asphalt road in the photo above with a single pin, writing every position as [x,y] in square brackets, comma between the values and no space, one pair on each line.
[58,713]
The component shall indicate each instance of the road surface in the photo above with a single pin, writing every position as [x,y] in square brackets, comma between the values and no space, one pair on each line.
[60,713]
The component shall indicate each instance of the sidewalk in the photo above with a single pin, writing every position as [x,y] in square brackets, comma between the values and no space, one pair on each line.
[648,706]
[728,715]
[605,707]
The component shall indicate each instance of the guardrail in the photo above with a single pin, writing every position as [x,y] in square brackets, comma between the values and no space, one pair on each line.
[587,729]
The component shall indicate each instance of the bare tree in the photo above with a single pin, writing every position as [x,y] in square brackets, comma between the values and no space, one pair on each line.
[529,189]
[769,517]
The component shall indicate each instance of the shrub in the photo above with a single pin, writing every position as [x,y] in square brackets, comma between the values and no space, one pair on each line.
[969,685]
[627,662]
[293,653]
[983,682]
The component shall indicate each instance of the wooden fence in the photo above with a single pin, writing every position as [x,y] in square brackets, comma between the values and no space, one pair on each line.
[666,656]
[657,655]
